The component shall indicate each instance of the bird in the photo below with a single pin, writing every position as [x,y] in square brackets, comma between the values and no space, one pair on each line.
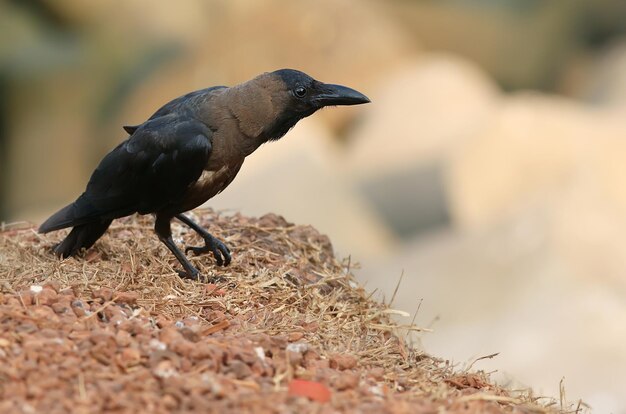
[187,152]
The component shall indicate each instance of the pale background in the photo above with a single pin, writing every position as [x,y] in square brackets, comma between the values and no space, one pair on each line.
[490,166]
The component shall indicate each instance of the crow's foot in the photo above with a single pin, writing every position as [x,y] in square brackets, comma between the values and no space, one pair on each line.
[214,245]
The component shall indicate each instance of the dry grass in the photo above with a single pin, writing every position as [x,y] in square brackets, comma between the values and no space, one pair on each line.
[283,279]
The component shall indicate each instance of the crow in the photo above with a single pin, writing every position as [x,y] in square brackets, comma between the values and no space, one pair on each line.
[190,150]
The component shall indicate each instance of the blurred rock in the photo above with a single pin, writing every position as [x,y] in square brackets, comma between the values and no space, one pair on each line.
[534,267]
[522,44]
[421,114]
[521,289]
[604,80]
[410,200]
[588,219]
[536,146]
[527,150]
[299,177]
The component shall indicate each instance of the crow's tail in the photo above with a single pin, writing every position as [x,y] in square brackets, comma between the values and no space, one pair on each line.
[79,212]
[83,235]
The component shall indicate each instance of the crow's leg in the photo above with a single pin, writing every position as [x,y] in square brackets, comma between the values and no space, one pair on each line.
[163,230]
[211,243]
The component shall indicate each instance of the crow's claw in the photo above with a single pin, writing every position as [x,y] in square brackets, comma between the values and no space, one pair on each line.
[194,275]
[215,246]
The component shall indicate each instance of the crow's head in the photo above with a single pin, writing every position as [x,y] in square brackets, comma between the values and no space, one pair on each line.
[296,95]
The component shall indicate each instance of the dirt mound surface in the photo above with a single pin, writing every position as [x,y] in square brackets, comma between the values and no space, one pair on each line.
[285,328]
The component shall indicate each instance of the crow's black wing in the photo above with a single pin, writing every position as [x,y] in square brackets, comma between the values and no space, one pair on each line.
[146,173]
[177,105]
[153,168]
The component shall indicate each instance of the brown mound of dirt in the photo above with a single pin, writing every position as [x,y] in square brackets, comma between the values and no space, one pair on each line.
[284,329]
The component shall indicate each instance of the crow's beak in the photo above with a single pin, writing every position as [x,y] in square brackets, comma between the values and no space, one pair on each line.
[338,95]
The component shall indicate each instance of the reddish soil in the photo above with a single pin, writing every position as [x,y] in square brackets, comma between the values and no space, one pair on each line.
[255,344]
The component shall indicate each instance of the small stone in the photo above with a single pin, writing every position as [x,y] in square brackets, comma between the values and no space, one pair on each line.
[240,369]
[295,358]
[50,333]
[263,340]
[104,293]
[169,402]
[61,307]
[46,297]
[346,381]
[211,288]
[295,336]
[260,352]
[129,357]
[215,386]
[162,321]
[311,355]
[79,335]
[45,313]
[169,335]
[79,308]
[343,361]
[310,326]
[13,302]
[300,347]
[127,325]
[100,336]
[165,369]
[111,312]
[36,289]
[203,351]
[319,364]
[182,347]
[303,373]
[215,316]
[261,369]
[129,298]
[219,292]
[377,373]
[314,390]
[191,321]
[26,297]
[377,390]
[53,285]
[402,380]
[279,341]
[123,338]
[191,333]
[156,344]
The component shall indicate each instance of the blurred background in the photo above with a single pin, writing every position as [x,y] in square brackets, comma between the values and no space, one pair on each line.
[489,170]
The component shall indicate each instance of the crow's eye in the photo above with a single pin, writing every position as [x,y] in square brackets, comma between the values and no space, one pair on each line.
[300,91]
